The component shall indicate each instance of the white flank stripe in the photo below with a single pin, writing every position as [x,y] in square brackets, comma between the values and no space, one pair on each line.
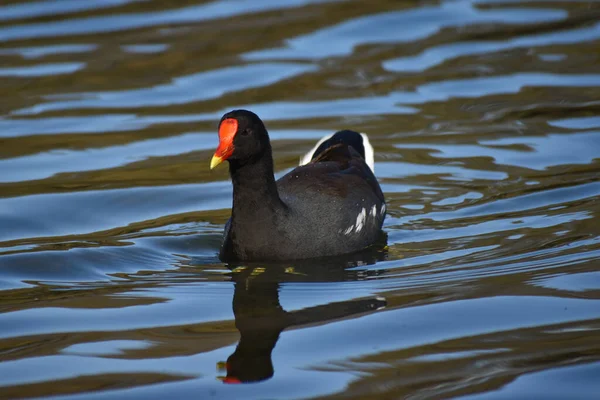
[360,220]
[347,231]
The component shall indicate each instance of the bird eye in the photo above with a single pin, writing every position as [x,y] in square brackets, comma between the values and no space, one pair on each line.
[245,132]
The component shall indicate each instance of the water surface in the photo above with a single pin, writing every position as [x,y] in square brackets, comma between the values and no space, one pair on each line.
[485,118]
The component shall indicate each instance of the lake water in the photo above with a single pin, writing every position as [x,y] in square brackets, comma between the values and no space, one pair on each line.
[485,118]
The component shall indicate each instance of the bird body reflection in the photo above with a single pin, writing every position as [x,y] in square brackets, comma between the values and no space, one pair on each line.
[260,318]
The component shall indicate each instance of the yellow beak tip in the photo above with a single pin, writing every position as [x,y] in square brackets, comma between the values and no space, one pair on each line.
[216,160]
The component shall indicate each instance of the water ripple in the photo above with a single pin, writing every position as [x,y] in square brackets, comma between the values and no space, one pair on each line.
[484,117]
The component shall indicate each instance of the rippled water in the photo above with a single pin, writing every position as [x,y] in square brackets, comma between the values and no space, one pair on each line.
[485,117]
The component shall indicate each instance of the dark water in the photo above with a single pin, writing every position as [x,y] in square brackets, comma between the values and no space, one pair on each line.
[485,117]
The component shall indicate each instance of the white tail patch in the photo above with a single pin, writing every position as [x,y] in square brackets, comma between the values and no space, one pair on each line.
[369,152]
[305,159]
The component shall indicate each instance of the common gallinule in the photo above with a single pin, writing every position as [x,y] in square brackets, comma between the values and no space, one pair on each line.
[331,205]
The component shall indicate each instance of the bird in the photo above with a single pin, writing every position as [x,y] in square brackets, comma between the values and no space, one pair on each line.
[329,205]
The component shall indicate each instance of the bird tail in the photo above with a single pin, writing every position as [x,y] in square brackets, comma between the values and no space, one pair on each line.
[359,141]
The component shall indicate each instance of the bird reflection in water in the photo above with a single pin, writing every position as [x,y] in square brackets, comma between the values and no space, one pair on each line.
[260,318]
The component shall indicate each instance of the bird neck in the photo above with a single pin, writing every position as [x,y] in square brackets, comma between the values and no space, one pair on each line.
[254,187]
